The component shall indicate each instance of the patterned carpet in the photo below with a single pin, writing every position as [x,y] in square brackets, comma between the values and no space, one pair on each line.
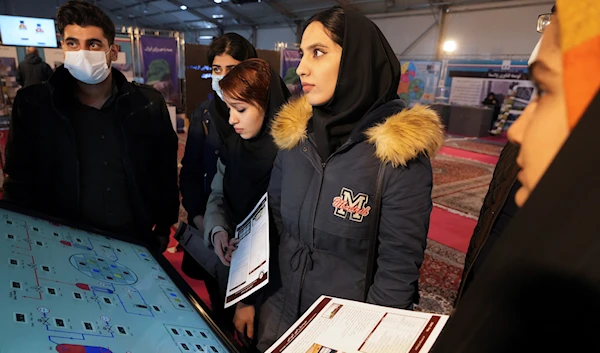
[460,184]
[440,278]
[483,146]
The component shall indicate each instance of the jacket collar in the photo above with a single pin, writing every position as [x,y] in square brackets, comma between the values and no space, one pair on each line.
[398,138]
[63,85]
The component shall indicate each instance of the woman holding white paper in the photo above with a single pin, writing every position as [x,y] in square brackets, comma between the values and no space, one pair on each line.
[253,93]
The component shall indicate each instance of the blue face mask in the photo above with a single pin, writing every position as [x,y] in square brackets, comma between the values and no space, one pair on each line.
[215,85]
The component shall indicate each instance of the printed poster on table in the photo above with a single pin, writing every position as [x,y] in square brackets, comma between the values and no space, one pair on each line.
[419,81]
[159,64]
[333,325]
[290,59]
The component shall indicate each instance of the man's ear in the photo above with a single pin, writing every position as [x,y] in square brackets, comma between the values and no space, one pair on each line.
[114,52]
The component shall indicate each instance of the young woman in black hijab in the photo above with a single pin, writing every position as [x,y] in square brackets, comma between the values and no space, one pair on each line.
[539,289]
[253,93]
[208,129]
[350,191]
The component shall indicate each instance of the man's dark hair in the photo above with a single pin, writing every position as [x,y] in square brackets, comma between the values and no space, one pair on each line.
[84,14]
[554,9]
[232,44]
[334,20]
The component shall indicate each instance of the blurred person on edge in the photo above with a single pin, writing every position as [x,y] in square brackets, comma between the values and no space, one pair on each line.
[498,208]
[539,289]
[90,147]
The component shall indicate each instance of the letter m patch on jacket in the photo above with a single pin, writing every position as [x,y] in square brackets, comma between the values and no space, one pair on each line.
[354,206]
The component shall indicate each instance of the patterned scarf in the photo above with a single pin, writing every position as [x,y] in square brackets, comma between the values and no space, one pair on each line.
[580,42]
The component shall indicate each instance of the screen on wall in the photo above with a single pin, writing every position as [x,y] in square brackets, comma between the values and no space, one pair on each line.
[27,31]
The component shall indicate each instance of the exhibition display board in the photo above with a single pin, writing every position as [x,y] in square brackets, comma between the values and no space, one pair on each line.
[419,81]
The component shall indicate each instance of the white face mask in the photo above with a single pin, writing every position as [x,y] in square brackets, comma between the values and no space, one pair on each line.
[87,66]
[215,85]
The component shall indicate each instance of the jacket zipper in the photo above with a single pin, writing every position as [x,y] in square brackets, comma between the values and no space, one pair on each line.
[126,165]
[314,213]
[495,217]
[71,132]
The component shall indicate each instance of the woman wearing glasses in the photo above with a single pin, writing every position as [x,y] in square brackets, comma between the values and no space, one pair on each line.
[540,288]
[499,207]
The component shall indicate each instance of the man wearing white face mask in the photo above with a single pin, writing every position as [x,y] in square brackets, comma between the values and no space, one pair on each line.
[89,146]
[499,206]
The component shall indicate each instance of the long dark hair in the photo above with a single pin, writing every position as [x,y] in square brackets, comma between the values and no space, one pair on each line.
[334,20]
[232,44]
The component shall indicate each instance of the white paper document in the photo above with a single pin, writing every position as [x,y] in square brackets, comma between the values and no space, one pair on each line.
[334,325]
[249,269]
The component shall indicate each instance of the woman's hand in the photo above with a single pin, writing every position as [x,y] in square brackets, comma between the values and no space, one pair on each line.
[222,248]
[243,320]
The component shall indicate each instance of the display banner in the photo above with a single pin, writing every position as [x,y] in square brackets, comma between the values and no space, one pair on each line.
[8,82]
[159,63]
[125,61]
[290,59]
[419,81]
[54,57]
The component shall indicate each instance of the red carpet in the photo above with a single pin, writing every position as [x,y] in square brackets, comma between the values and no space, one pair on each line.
[483,158]
[451,229]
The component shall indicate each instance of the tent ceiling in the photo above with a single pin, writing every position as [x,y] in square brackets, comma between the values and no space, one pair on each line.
[204,14]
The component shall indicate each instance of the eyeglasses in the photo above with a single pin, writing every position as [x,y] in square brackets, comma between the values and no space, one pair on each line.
[543,22]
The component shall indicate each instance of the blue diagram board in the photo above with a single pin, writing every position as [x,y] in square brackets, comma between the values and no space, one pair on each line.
[69,291]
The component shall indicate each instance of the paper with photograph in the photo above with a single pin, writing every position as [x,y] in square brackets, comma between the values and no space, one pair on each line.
[334,325]
[249,269]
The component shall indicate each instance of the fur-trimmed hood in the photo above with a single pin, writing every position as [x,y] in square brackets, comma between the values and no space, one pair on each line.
[397,139]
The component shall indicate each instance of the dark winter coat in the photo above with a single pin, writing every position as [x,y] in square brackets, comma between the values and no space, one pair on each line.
[505,176]
[539,289]
[323,212]
[42,160]
[199,167]
[199,163]
[33,71]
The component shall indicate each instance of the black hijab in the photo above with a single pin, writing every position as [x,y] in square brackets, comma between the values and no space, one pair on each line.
[249,162]
[217,108]
[539,290]
[368,78]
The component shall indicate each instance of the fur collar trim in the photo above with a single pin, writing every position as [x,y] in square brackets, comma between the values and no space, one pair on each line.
[397,140]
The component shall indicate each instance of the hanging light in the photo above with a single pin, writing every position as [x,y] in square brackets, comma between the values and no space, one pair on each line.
[449,46]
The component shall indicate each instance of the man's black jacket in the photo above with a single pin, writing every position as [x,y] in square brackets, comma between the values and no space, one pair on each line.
[42,159]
